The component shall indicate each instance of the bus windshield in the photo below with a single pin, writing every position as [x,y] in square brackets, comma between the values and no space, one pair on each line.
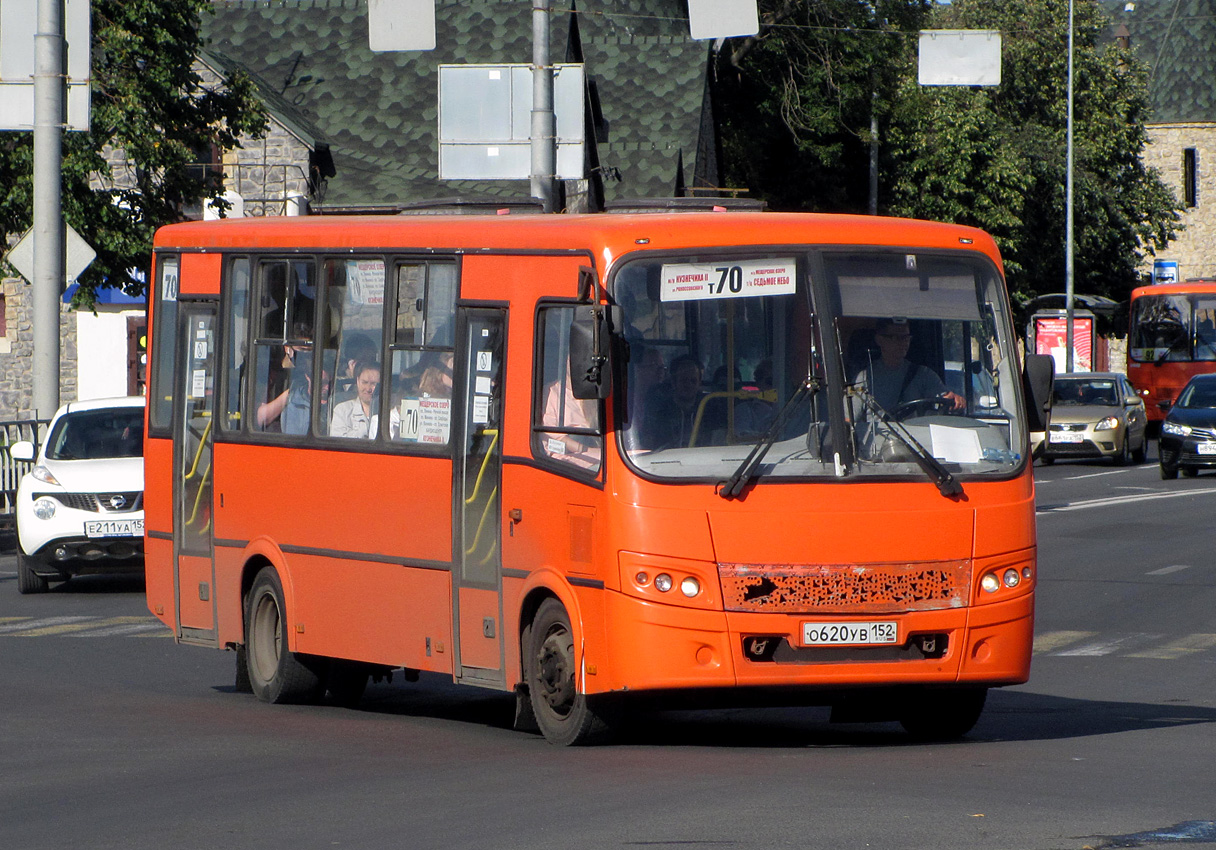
[1173,328]
[871,363]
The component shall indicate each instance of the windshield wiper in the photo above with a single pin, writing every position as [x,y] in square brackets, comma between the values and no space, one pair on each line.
[733,486]
[946,483]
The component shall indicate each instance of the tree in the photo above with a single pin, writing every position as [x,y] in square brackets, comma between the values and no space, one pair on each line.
[996,157]
[150,102]
[796,101]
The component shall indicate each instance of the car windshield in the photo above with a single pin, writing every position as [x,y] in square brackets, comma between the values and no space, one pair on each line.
[1200,394]
[102,433]
[721,347]
[1085,391]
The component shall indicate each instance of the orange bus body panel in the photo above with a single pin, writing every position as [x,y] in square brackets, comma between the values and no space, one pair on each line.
[366,559]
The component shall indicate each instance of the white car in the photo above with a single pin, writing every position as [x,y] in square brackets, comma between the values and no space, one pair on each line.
[81,508]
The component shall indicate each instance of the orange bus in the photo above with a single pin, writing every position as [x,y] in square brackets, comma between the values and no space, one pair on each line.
[1172,336]
[599,460]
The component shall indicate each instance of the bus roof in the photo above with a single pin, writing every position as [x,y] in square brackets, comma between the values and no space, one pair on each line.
[1188,287]
[606,235]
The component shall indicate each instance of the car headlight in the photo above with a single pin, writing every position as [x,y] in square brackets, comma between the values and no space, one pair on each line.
[1175,428]
[44,508]
[44,475]
[1107,424]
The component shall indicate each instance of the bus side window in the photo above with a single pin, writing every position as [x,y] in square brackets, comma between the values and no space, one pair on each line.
[419,374]
[237,342]
[283,335]
[353,332]
[564,429]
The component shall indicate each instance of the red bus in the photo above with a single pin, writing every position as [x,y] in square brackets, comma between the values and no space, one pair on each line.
[1172,336]
[599,461]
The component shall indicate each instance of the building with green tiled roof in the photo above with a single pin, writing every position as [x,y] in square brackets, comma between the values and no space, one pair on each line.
[649,127]
[1177,40]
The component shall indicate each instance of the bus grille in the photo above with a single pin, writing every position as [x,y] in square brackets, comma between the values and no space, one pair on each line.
[845,588]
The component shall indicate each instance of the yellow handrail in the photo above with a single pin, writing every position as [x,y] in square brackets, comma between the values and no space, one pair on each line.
[198,498]
[761,395]
[485,461]
[198,454]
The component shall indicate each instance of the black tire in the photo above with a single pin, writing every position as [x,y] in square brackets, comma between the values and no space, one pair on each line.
[942,714]
[1125,452]
[565,716]
[1047,460]
[29,581]
[346,683]
[1140,455]
[276,674]
[1168,473]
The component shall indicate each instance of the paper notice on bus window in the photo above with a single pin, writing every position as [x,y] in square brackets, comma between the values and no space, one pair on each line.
[425,420]
[481,409]
[955,445]
[365,281]
[735,279]
[198,383]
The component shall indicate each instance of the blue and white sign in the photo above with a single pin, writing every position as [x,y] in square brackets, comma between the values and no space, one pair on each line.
[1165,271]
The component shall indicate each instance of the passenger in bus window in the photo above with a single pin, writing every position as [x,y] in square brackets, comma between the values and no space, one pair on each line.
[671,412]
[278,386]
[356,417]
[563,410]
[299,396]
[356,348]
[892,379]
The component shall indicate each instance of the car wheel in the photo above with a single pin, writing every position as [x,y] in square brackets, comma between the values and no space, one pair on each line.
[276,674]
[1140,455]
[1124,457]
[1168,472]
[29,581]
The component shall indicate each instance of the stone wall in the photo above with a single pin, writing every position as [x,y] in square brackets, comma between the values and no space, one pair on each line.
[16,380]
[1195,247]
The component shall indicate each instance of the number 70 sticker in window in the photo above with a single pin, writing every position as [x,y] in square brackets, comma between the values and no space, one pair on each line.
[737,279]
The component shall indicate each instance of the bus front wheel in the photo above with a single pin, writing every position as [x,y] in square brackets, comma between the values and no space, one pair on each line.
[564,715]
[276,674]
[943,714]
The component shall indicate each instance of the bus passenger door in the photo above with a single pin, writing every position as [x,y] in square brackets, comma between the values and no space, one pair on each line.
[477,577]
[194,569]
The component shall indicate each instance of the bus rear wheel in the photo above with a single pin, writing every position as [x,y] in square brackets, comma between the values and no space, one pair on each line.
[565,716]
[942,714]
[276,674]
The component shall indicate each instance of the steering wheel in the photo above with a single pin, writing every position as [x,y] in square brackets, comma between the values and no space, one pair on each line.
[922,407]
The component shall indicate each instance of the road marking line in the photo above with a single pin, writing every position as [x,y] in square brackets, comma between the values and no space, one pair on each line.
[46,622]
[1108,646]
[1121,500]
[1176,649]
[131,629]
[54,631]
[1165,571]
[1054,640]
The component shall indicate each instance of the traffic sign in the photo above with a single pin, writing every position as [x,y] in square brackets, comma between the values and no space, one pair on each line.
[76,260]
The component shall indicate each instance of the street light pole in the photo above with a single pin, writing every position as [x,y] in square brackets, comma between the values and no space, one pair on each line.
[50,92]
[544,125]
[1068,212]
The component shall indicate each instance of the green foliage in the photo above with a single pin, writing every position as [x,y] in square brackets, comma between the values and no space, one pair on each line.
[798,116]
[149,101]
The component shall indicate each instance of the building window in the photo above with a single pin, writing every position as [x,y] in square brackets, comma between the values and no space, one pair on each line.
[1190,177]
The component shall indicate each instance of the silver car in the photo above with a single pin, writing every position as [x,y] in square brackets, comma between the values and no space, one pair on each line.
[1094,415]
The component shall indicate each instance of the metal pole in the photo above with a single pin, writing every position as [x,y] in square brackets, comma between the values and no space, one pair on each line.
[50,81]
[1068,214]
[544,125]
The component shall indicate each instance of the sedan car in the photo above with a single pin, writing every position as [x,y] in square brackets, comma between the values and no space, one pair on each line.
[81,508]
[1095,415]
[1188,434]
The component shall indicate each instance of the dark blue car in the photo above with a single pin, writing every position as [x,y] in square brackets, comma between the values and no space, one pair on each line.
[1188,434]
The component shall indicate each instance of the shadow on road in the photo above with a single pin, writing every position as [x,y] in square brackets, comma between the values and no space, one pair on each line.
[1009,716]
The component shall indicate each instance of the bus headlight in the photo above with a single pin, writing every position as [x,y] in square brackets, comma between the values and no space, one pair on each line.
[662,582]
[990,583]
[690,587]
[1012,578]
[44,508]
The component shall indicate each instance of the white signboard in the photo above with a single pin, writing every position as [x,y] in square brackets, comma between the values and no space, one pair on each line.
[426,419]
[737,279]
[78,254]
[400,25]
[722,18]
[960,58]
[365,281]
[18,26]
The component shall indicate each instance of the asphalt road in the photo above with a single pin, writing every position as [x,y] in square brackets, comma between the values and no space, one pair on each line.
[111,736]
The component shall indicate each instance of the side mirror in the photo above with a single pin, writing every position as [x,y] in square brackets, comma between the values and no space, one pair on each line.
[1132,400]
[22,450]
[1038,380]
[591,341]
